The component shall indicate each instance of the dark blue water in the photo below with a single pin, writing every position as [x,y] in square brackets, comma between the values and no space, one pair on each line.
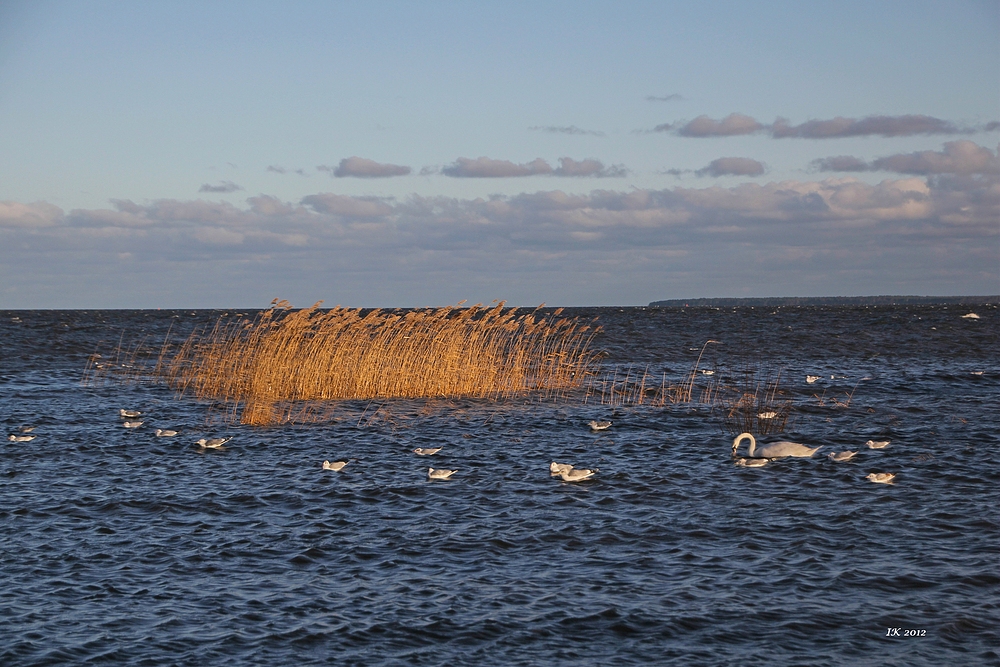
[122,548]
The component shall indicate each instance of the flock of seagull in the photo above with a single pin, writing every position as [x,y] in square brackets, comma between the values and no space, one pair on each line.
[757,456]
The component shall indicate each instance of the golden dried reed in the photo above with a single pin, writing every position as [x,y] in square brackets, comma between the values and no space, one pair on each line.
[268,366]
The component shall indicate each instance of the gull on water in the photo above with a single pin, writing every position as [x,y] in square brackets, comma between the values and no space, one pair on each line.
[970,316]
[212,443]
[877,444]
[598,426]
[21,438]
[131,424]
[426,451]
[556,468]
[751,463]
[129,414]
[812,378]
[165,433]
[577,475]
[881,477]
[29,429]
[775,449]
[336,465]
[841,456]
[767,415]
[440,473]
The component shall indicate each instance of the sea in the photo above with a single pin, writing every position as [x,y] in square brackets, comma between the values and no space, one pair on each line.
[118,547]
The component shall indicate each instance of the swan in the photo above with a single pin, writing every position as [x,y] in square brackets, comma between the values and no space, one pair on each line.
[336,465]
[841,456]
[776,449]
[21,438]
[212,443]
[877,444]
[556,468]
[440,473]
[131,424]
[424,451]
[165,433]
[881,477]
[598,426]
[129,413]
[574,475]
[751,463]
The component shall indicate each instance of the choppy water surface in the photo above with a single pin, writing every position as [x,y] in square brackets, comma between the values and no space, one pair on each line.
[119,547]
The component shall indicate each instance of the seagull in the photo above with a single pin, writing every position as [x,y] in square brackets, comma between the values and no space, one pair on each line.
[212,443]
[426,451]
[881,477]
[767,415]
[841,456]
[751,463]
[598,426]
[575,475]
[29,429]
[336,465]
[877,444]
[440,473]
[21,438]
[707,372]
[131,424]
[165,433]
[970,316]
[812,378]
[556,468]
[129,413]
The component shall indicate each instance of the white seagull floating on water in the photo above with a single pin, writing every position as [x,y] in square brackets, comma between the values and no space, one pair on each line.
[212,443]
[21,438]
[877,444]
[336,465]
[841,456]
[556,468]
[812,378]
[576,475]
[128,414]
[751,463]
[165,433]
[426,451]
[775,450]
[598,426]
[440,473]
[131,424]
[881,477]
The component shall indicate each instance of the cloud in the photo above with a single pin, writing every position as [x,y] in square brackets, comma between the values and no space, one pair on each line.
[359,167]
[276,169]
[733,124]
[484,167]
[223,186]
[672,97]
[351,207]
[39,214]
[732,166]
[958,157]
[885,126]
[562,129]
[588,167]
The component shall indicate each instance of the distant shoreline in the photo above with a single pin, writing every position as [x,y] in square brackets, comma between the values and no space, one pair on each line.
[828,301]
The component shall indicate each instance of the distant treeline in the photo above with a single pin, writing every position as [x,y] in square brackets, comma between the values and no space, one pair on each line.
[828,301]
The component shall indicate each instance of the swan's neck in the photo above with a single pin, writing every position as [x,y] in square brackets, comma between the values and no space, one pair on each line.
[740,438]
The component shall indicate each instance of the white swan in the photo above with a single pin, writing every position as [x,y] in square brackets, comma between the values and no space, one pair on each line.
[556,468]
[598,426]
[440,473]
[841,456]
[165,433]
[21,438]
[751,463]
[212,443]
[425,451]
[877,444]
[575,475]
[336,465]
[881,477]
[776,449]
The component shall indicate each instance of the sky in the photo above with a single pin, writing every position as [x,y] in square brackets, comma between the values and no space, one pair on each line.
[401,154]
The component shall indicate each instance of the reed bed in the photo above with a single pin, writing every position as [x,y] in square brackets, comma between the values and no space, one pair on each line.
[278,366]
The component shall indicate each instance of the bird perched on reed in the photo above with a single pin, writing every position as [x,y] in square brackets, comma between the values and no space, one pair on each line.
[598,426]
[212,443]
[440,473]
[336,465]
[129,414]
[881,477]
[877,444]
[426,451]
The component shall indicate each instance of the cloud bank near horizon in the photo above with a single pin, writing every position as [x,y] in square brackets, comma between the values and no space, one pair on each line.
[736,124]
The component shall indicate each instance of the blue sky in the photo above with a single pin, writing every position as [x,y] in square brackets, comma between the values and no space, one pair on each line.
[222,154]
